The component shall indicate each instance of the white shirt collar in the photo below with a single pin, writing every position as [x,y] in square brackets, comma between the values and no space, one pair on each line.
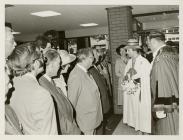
[81,67]
[95,66]
[47,77]
[155,53]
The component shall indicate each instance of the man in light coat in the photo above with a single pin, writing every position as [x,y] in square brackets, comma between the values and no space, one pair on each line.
[84,94]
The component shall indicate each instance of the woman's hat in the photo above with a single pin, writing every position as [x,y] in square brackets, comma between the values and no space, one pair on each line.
[66,57]
[132,44]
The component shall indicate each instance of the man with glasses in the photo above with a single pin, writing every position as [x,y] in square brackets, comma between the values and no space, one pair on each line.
[32,104]
[64,112]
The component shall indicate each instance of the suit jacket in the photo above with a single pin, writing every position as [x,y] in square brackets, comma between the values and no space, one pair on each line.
[85,98]
[33,106]
[102,85]
[63,108]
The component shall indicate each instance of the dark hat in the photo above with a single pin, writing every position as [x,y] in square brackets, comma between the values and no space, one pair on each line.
[157,35]
[132,44]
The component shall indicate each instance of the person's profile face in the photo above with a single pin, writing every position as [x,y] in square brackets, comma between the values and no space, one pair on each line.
[145,48]
[9,42]
[149,42]
[130,52]
[90,59]
[96,55]
[56,66]
[122,52]
[65,68]
[39,65]
[8,84]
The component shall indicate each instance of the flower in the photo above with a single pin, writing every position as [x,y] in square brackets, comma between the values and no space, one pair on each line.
[130,86]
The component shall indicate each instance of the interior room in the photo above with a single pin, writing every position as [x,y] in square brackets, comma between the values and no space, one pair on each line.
[105,27]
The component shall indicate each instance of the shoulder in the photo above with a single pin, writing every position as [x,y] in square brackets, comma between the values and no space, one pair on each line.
[41,93]
[167,53]
[75,74]
[143,60]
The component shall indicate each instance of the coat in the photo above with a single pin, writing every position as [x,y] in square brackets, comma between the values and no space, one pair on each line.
[33,106]
[119,71]
[65,120]
[85,98]
[165,90]
[102,85]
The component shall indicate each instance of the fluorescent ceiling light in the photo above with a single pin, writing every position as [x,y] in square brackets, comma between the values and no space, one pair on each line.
[15,33]
[45,13]
[88,24]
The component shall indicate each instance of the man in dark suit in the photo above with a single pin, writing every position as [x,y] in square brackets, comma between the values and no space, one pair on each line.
[84,94]
[104,91]
[64,112]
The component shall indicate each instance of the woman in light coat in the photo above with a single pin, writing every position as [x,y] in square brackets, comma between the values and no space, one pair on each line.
[119,70]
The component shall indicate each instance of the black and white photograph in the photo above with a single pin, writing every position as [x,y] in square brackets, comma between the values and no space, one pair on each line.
[82,69]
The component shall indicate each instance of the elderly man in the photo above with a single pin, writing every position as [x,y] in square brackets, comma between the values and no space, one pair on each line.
[164,85]
[12,125]
[9,41]
[104,91]
[84,94]
[64,112]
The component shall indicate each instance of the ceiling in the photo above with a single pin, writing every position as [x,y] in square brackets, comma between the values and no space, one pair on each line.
[74,15]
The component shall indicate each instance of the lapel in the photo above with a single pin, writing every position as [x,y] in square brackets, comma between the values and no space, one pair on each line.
[90,80]
[64,106]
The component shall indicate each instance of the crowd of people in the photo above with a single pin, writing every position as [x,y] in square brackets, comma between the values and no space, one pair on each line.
[52,92]
[44,100]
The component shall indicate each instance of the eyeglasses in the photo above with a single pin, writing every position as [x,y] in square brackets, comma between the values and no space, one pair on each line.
[40,58]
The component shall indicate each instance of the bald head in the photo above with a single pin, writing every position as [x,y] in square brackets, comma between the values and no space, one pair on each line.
[9,42]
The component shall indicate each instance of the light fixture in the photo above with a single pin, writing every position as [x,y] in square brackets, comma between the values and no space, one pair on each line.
[15,33]
[46,13]
[88,24]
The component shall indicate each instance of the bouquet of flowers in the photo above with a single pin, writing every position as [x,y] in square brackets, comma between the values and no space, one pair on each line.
[129,84]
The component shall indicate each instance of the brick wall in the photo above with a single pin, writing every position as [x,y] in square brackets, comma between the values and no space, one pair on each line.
[120,30]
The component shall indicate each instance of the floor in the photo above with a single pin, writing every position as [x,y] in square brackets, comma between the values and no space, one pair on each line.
[115,126]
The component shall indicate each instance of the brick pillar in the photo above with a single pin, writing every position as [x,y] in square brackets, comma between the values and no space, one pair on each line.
[120,30]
